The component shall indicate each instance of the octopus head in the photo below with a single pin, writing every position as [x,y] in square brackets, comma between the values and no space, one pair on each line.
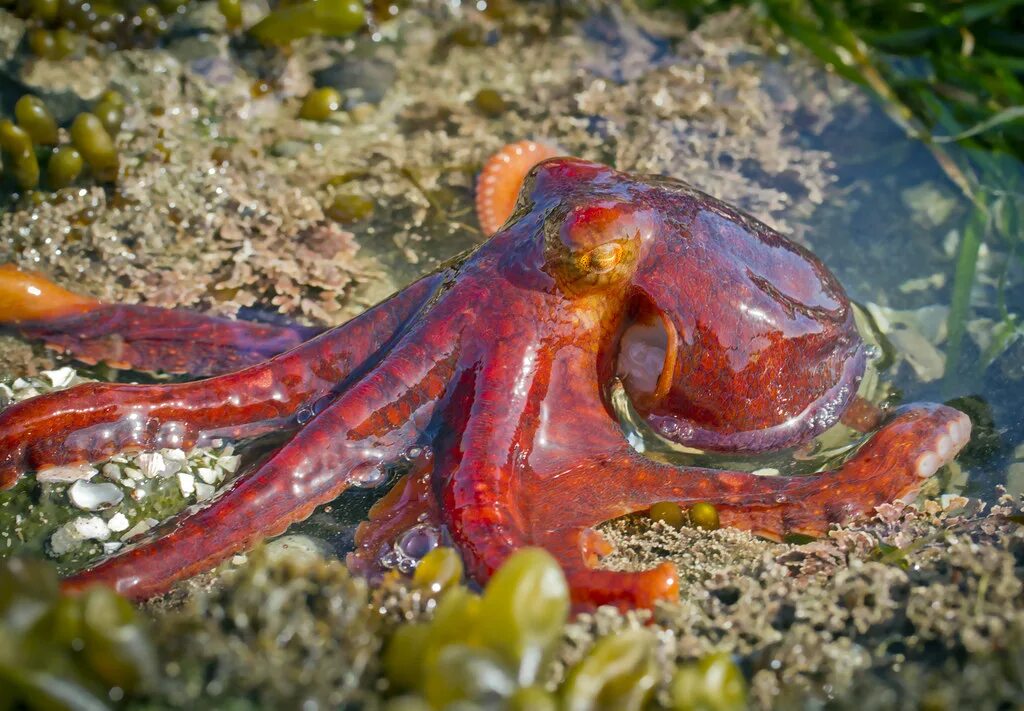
[729,337]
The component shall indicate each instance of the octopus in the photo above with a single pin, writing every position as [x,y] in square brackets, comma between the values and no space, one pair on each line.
[488,380]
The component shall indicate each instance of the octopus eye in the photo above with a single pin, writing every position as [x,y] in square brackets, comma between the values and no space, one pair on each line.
[603,258]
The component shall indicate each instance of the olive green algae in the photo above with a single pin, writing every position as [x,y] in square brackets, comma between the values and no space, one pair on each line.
[909,607]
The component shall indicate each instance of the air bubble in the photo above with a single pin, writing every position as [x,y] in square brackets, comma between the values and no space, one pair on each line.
[322,403]
[304,415]
[389,558]
[368,475]
[418,541]
[418,454]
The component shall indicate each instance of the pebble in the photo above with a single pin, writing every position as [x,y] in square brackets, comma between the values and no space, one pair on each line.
[94,496]
[187,483]
[118,522]
[209,476]
[73,533]
[134,473]
[139,528]
[65,474]
[61,377]
[153,464]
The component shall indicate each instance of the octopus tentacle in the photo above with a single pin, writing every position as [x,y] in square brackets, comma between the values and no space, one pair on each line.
[372,423]
[892,464]
[501,179]
[479,496]
[137,336]
[578,549]
[96,420]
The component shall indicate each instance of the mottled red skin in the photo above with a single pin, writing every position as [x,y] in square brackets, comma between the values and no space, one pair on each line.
[500,362]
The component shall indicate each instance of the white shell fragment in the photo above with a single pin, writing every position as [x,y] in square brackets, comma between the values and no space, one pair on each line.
[61,377]
[111,471]
[65,474]
[139,528]
[118,522]
[73,533]
[209,476]
[175,455]
[187,483]
[204,491]
[95,496]
[153,464]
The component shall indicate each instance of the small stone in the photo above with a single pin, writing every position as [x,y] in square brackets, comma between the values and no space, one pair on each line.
[296,546]
[139,528]
[94,496]
[208,475]
[134,473]
[111,471]
[112,547]
[175,455]
[204,491]
[73,533]
[138,494]
[230,463]
[65,474]
[187,483]
[152,464]
[61,377]
[118,522]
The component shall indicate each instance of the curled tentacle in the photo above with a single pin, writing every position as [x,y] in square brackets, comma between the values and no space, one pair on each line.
[501,179]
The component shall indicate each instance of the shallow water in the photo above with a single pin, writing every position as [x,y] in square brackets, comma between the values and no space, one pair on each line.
[811,156]
[774,134]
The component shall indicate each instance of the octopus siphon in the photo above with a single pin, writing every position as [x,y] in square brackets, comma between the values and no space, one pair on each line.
[489,379]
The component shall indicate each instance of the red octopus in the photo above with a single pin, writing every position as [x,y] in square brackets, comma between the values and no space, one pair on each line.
[727,337]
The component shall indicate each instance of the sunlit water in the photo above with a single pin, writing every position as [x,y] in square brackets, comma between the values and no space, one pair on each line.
[873,230]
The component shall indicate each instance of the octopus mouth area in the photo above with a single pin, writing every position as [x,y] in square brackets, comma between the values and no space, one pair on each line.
[647,356]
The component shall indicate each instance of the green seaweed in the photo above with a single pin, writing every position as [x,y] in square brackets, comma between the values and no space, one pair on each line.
[333,18]
[67,652]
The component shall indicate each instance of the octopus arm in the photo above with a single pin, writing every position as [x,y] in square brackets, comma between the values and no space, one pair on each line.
[134,335]
[93,421]
[138,337]
[893,464]
[373,423]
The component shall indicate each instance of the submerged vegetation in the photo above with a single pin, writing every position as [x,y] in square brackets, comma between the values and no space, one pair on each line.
[34,136]
[62,652]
